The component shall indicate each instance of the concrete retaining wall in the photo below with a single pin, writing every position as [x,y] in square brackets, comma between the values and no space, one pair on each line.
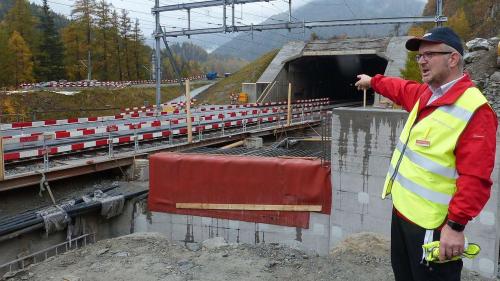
[38,240]
[194,229]
[362,144]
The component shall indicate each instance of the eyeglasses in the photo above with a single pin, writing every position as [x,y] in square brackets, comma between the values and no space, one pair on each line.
[428,55]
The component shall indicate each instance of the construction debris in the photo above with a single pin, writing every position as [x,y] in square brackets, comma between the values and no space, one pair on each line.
[151,256]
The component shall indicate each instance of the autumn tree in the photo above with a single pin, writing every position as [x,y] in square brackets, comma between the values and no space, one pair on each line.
[20,19]
[83,11]
[74,48]
[411,70]
[20,62]
[460,24]
[103,24]
[4,55]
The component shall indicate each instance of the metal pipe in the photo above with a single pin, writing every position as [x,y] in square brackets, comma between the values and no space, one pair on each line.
[189,21]
[232,7]
[289,10]
[224,16]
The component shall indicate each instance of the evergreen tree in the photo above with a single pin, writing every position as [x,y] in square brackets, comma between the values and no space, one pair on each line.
[20,62]
[50,56]
[140,56]
[125,30]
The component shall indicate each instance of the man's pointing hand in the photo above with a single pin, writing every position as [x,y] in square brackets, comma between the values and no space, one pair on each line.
[363,82]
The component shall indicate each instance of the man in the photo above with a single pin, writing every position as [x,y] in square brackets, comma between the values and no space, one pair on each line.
[439,177]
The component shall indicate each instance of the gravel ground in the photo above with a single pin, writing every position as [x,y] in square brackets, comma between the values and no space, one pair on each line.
[150,256]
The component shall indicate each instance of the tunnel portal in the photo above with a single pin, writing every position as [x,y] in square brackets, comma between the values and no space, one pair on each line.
[332,76]
[328,68]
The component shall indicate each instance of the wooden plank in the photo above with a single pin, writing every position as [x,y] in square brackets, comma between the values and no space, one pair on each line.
[289,109]
[250,207]
[188,112]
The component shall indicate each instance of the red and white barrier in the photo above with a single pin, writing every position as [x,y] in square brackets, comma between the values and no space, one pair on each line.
[141,136]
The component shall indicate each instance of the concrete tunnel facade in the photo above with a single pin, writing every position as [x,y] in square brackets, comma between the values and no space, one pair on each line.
[328,68]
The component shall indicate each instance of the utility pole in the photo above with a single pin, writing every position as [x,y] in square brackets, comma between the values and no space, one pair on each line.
[158,57]
[159,33]
[153,66]
[439,11]
[89,52]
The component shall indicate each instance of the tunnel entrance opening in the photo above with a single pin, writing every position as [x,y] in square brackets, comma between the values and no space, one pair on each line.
[332,76]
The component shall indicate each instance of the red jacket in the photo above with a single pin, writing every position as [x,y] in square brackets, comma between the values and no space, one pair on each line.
[475,150]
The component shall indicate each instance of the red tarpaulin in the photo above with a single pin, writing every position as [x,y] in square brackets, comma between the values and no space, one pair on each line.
[221,179]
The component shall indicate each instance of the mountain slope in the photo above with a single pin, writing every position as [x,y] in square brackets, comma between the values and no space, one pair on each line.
[219,93]
[60,21]
[243,45]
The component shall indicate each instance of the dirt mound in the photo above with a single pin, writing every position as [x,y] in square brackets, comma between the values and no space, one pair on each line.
[365,242]
[151,256]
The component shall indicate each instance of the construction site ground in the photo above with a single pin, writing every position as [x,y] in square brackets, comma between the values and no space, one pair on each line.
[150,256]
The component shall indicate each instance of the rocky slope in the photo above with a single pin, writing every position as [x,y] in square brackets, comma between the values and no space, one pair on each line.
[481,63]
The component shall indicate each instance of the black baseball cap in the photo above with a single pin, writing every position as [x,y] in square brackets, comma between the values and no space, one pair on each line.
[444,35]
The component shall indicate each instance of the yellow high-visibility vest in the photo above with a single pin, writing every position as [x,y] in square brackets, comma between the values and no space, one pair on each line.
[422,175]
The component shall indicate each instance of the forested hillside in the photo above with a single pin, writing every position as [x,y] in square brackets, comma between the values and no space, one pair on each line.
[33,48]
[470,18]
[194,60]
[99,43]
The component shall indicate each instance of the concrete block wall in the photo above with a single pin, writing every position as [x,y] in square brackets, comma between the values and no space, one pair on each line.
[197,229]
[362,144]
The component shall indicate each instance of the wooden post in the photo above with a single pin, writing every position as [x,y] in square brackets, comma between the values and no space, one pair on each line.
[364,98]
[289,115]
[2,165]
[188,112]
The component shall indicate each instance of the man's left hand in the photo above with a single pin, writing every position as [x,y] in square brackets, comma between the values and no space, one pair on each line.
[451,243]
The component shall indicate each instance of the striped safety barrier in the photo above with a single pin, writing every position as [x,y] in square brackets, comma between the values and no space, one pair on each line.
[38,152]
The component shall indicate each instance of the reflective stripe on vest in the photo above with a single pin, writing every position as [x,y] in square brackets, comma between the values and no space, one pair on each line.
[422,176]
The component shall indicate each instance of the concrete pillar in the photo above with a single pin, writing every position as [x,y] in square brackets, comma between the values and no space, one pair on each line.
[139,171]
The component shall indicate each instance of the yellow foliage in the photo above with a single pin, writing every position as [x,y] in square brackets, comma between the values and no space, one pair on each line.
[416,31]
[460,24]
[20,63]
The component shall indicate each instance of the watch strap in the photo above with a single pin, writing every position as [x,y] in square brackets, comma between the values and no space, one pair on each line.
[455,225]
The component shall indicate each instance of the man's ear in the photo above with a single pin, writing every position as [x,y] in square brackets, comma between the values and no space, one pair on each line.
[454,59]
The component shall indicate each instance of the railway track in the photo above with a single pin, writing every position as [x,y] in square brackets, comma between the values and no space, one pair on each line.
[121,148]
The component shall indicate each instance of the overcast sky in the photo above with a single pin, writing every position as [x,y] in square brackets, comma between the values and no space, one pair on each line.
[200,18]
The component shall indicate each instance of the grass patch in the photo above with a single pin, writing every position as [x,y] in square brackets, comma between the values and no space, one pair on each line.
[42,105]
[219,93]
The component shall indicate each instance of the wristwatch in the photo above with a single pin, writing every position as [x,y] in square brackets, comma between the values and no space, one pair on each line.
[455,226]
